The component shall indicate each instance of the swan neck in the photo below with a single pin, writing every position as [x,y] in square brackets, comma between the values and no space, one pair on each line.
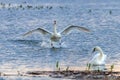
[101,52]
[55,29]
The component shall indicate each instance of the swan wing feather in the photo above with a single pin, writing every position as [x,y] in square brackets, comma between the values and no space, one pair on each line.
[70,28]
[42,31]
[94,59]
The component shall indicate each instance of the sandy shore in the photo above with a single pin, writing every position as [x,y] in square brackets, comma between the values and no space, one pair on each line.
[79,73]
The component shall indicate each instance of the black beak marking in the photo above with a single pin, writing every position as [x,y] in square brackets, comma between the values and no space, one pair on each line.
[93,50]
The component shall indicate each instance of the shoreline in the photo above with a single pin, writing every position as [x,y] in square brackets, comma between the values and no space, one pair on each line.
[72,73]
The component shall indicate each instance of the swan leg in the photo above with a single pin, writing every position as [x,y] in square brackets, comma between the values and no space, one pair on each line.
[60,43]
[52,44]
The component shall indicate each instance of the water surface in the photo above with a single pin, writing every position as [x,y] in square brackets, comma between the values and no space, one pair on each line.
[18,53]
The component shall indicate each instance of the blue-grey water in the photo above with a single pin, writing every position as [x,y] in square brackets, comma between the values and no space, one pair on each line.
[16,52]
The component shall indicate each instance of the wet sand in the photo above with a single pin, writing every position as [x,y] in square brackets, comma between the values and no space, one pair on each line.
[77,73]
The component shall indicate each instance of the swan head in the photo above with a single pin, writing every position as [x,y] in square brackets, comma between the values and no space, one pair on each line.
[97,48]
[54,22]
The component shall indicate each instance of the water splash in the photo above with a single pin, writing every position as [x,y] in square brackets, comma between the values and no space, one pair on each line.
[47,44]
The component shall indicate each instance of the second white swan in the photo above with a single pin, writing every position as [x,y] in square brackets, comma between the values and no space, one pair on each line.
[98,61]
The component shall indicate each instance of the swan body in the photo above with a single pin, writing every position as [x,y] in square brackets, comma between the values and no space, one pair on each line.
[56,36]
[98,61]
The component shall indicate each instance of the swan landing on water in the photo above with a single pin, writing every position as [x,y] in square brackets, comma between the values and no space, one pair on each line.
[98,61]
[56,36]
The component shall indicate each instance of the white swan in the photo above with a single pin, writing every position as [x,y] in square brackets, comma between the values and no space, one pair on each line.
[98,61]
[56,36]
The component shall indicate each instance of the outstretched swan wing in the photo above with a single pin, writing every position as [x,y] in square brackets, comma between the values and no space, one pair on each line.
[70,28]
[42,31]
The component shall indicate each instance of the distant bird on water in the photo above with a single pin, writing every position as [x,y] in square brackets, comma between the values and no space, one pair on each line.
[99,59]
[56,36]
[110,12]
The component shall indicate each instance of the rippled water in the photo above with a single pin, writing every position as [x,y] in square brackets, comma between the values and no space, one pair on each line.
[21,53]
